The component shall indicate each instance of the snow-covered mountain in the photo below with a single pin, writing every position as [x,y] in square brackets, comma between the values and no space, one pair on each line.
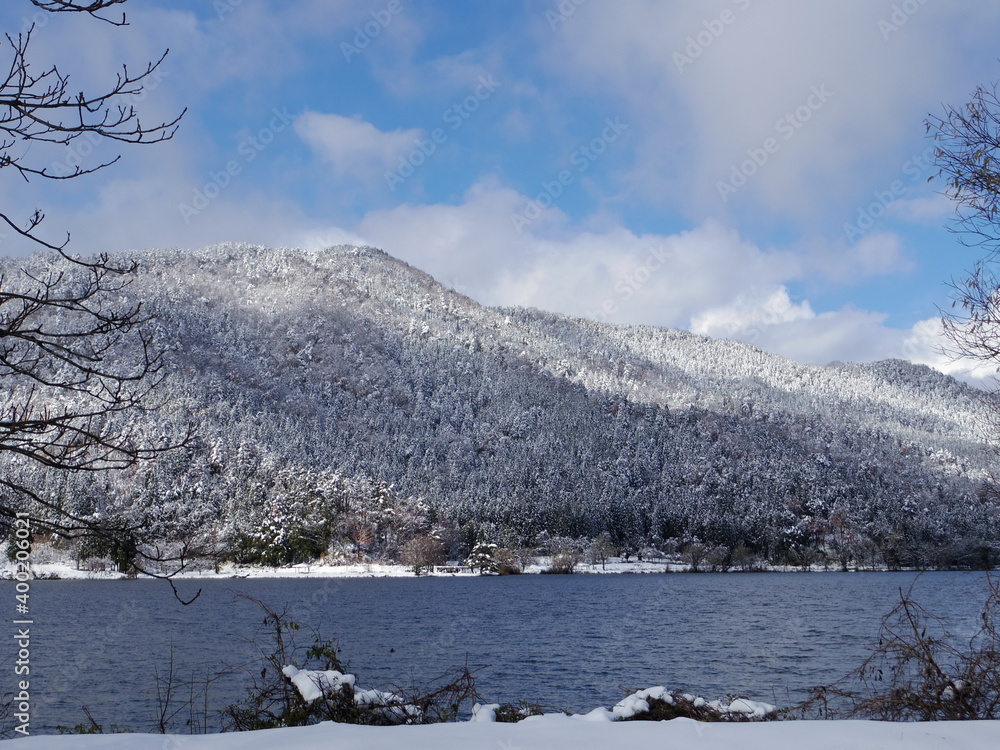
[344,395]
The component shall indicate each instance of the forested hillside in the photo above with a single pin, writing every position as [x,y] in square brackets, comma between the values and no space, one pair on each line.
[346,402]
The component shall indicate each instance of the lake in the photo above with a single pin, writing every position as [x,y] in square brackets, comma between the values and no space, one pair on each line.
[562,641]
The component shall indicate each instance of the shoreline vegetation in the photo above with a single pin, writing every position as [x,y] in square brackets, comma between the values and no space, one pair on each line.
[49,564]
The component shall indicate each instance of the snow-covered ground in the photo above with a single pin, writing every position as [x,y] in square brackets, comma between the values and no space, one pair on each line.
[65,569]
[68,570]
[556,732]
[601,728]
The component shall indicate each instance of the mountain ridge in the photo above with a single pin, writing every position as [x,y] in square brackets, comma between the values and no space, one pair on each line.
[515,425]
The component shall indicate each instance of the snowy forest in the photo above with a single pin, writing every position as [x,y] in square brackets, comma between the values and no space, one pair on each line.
[345,403]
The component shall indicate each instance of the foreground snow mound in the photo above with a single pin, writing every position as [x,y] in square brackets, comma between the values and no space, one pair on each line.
[314,684]
[556,732]
[638,703]
[746,707]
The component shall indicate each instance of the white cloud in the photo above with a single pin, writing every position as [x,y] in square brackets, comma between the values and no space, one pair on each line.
[610,273]
[698,119]
[689,125]
[747,315]
[321,238]
[471,243]
[926,344]
[877,253]
[926,209]
[777,324]
[144,213]
[848,335]
[354,147]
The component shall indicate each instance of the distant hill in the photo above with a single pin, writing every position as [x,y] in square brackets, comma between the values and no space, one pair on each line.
[347,401]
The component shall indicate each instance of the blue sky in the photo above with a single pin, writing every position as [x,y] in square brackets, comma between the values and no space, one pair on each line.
[749,169]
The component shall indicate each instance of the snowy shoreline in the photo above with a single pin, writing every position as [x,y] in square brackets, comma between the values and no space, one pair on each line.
[65,570]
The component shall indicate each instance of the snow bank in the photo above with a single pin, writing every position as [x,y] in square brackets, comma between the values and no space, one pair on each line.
[484,712]
[750,708]
[556,732]
[66,569]
[638,702]
[312,684]
[600,728]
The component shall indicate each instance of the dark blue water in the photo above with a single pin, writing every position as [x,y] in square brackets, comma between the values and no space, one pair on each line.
[563,641]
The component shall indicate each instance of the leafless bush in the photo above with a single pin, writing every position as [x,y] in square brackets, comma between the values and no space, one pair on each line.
[746,560]
[273,701]
[563,563]
[920,672]
[511,713]
[719,558]
[507,562]
[423,552]
[178,699]
[525,557]
[694,555]
[600,550]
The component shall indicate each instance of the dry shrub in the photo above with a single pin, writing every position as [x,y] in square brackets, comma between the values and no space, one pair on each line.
[563,564]
[507,562]
[273,701]
[920,672]
[423,552]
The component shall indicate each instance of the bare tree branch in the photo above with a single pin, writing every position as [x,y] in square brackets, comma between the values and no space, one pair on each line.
[967,154]
[41,108]
[94,7]
[76,362]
